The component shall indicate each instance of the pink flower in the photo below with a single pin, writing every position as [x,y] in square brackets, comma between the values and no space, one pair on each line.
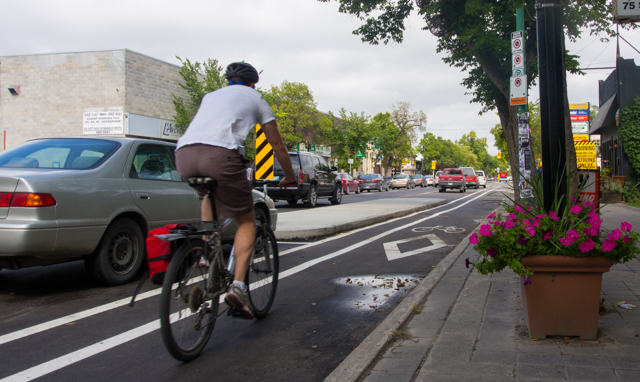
[595,223]
[593,215]
[530,209]
[565,242]
[491,215]
[530,231]
[526,223]
[485,230]
[519,209]
[553,215]
[627,239]
[573,198]
[493,252]
[542,216]
[513,217]
[590,231]
[586,246]
[473,239]
[616,234]
[508,224]
[626,227]
[575,209]
[608,245]
[548,234]
[573,235]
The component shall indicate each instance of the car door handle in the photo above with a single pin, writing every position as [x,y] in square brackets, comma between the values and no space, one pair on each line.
[142,195]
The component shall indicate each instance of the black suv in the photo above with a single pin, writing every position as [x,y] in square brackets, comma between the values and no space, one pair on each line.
[315,180]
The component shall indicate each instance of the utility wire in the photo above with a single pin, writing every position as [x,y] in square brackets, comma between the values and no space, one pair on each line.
[634,48]
[602,51]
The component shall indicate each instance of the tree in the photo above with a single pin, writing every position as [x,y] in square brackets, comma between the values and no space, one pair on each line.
[386,140]
[350,137]
[630,133]
[476,36]
[298,119]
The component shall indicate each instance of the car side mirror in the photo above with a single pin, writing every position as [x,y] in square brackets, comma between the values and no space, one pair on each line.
[334,168]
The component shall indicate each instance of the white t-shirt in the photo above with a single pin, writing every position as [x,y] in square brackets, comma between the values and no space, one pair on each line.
[226,116]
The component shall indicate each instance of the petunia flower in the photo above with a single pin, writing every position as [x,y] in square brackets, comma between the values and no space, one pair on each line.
[493,252]
[593,215]
[542,216]
[530,209]
[595,223]
[513,217]
[531,231]
[586,246]
[485,230]
[527,280]
[608,245]
[467,262]
[473,239]
[627,239]
[519,209]
[575,209]
[566,242]
[491,215]
[553,215]
[573,235]
[548,234]
[508,224]
[590,231]
[626,227]
[616,234]
[522,240]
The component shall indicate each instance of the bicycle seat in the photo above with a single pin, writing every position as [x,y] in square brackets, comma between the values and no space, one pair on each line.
[202,181]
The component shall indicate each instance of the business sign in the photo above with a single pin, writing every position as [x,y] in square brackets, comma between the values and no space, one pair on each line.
[518,90]
[589,181]
[586,155]
[575,106]
[580,127]
[581,137]
[579,118]
[625,11]
[517,42]
[107,121]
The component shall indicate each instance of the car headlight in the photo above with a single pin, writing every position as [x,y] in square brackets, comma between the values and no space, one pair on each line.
[270,202]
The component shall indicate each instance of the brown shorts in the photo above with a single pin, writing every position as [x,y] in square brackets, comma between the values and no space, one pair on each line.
[229,168]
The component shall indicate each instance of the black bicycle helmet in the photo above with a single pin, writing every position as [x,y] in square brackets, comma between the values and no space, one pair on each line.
[242,70]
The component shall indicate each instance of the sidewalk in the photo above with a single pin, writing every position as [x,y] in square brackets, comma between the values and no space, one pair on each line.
[471,328]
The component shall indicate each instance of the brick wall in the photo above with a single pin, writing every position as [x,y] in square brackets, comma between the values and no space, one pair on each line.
[54,91]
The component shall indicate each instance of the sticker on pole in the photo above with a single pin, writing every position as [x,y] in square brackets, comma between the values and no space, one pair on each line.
[518,90]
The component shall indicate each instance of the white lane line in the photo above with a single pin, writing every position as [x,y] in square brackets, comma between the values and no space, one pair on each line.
[125,301]
[71,358]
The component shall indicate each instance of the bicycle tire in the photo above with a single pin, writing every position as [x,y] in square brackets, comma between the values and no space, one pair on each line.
[182,335]
[261,282]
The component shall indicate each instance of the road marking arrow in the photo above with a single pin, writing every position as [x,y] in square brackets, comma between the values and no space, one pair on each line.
[393,252]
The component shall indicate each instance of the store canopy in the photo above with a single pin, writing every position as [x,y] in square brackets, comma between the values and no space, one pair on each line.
[606,116]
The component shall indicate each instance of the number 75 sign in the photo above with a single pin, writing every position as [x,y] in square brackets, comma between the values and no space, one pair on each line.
[626,11]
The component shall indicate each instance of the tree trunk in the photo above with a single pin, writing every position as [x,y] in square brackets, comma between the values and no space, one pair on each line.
[572,166]
[509,121]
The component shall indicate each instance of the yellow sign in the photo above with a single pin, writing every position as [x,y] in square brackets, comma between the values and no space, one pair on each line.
[579,106]
[264,156]
[586,155]
[433,165]
[581,137]
[499,154]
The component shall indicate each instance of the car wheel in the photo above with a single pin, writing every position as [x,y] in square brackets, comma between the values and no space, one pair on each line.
[357,190]
[292,201]
[261,216]
[368,190]
[485,186]
[347,192]
[337,195]
[313,197]
[440,189]
[387,189]
[119,255]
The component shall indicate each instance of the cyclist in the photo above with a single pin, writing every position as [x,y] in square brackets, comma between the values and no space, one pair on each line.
[212,146]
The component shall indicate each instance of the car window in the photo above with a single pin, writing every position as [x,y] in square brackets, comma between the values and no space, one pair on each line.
[452,172]
[369,176]
[78,154]
[468,171]
[400,177]
[295,163]
[154,162]
[323,164]
[479,173]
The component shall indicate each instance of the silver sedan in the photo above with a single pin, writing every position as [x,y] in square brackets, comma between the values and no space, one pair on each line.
[63,199]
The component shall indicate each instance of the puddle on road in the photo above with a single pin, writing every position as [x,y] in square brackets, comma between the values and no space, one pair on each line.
[371,293]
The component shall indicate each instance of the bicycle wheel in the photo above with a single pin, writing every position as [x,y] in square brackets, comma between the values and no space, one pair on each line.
[187,317]
[262,275]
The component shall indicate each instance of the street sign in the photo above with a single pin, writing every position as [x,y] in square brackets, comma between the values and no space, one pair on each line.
[591,181]
[625,11]
[580,127]
[264,156]
[350,161]
[517,60]
[517,43]
[586,155]
[518,90]
[517,72]
[433,165]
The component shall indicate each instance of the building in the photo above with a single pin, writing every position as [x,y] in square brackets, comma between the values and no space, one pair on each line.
[113,92]
[612,99]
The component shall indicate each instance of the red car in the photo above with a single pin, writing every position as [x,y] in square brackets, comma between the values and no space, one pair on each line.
[452,178]
[349,183]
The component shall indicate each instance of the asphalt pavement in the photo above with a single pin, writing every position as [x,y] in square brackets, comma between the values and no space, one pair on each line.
[458,325]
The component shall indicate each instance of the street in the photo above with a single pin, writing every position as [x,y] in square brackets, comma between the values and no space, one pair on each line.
[57,325]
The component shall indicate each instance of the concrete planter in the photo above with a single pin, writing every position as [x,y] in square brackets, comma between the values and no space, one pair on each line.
[563,298]
[611,197]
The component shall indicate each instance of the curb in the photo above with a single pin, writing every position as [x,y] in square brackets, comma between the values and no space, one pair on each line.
[331,230]
[358,362]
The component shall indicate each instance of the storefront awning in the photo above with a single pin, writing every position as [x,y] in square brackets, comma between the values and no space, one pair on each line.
[606,116]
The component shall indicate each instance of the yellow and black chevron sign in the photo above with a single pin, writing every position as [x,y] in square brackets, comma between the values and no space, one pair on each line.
[264,156]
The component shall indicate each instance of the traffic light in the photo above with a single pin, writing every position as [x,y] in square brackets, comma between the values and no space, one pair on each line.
[499,154]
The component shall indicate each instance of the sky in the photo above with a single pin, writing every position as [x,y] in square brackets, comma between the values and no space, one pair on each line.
[295,40]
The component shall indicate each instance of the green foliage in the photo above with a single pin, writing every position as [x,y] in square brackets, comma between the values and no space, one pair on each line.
[630,132]
[199,79]
[298,119]
[631,193]
[387,138]
[350,137]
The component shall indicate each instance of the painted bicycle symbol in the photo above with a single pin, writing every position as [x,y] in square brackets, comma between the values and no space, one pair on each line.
[450,229]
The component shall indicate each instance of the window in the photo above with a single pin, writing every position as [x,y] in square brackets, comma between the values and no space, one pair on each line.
[452,172]
[323,164]
[154,162]
[59,153]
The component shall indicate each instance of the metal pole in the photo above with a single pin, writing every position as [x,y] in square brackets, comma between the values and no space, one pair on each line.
[552,96]
[520,26]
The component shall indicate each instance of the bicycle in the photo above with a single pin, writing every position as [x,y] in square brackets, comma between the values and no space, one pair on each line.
[198,277]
